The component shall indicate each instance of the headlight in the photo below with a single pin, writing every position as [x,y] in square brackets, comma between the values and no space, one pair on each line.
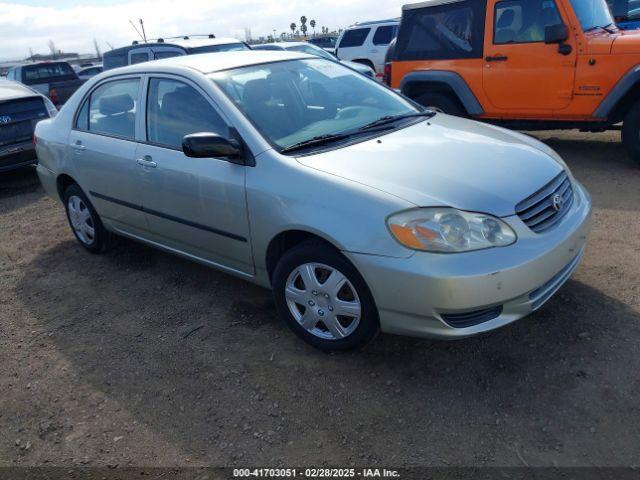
[448,230]
[51,108]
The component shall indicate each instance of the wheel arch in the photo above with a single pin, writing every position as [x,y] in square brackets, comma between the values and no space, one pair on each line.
[63,181]
[365,61]
[621,98]
[286,240]
[416,83]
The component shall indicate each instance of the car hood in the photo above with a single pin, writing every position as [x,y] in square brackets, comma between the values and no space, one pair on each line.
[358,67]
[447,161]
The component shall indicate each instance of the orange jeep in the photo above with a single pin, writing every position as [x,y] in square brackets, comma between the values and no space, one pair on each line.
[524,64]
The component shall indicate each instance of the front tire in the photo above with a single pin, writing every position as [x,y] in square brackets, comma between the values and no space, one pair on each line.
[323,298]
[85,222]
[631,132]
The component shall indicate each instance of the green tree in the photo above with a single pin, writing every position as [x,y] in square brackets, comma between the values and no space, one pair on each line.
[313,25]
[303,26]
[293,28]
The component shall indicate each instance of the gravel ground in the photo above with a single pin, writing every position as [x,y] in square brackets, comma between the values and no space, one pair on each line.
[140,358]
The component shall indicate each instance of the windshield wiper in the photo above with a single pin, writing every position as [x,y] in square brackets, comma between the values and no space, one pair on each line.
[319,140]
[394,118]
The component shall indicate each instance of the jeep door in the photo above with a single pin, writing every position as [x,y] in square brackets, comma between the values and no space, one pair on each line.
[522,73]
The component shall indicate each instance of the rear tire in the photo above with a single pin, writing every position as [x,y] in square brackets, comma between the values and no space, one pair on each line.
[323,298]
[85,222]
[631,132]
[442,102]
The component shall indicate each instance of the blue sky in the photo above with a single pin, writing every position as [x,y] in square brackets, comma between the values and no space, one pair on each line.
[72,25]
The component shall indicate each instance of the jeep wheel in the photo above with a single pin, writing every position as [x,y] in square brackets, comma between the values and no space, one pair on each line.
[631,132]
[442,102]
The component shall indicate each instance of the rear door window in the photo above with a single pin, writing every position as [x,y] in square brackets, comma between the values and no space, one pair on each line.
[112,108]
[385,34]
[452,31]
[354,38]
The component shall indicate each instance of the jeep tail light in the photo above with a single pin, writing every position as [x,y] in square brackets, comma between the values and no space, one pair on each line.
[386,78]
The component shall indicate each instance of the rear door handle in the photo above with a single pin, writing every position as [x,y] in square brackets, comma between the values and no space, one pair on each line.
[78,147]
[497,58]
[146,161]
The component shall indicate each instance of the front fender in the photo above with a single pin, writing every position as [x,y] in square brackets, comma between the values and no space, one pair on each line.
[453,80]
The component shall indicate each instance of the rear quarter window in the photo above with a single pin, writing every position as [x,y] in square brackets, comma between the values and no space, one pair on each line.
[451,31]
[385,34]
[354,38]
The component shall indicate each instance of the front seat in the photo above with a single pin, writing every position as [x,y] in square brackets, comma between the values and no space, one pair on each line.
[504,31]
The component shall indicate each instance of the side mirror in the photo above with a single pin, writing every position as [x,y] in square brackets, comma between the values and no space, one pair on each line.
[210,145]
[555,33]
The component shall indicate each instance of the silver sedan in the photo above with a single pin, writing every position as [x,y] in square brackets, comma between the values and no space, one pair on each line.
[360,211]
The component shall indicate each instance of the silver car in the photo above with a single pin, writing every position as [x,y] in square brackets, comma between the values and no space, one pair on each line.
[362,212]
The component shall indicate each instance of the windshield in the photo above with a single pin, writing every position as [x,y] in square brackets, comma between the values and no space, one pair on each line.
[294,101]
[592,13]
[226,47]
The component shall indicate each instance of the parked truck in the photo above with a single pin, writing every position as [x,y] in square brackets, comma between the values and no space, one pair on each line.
[56,80]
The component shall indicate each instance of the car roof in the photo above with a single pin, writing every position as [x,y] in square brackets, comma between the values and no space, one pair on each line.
[197,42]
[284,45]
[428,4]
[374,22]
[10,90]
[215,62]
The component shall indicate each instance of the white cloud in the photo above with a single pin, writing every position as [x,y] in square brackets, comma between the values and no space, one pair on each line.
[73,28]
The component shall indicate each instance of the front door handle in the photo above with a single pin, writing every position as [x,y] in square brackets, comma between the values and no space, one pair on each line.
[497,58]
[78,146]
[146,161]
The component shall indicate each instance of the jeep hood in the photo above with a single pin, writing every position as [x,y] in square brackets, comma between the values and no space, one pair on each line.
[447,161]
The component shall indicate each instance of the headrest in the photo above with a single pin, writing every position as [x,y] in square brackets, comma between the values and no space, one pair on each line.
[115,104]
[256,91]
[506,19]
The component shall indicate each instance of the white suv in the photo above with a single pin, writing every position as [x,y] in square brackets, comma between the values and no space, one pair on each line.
[367,42]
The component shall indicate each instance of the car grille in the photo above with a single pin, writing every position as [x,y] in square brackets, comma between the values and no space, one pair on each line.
[469,319]
[545,208]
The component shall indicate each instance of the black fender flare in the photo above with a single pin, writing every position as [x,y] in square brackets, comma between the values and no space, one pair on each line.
[453,80]
[617,93]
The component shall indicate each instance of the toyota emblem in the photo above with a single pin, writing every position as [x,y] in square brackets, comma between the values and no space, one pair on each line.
[558,202]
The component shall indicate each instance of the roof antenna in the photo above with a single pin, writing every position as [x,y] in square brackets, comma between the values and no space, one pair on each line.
[144,34]
[137,31]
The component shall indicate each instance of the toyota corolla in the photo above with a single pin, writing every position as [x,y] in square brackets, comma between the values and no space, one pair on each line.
[360,210]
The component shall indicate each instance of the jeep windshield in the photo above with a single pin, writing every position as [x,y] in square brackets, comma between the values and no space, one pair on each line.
[311,103]
[593,14]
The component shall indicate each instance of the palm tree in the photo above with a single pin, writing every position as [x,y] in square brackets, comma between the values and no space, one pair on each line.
[303,27]
[293,28]
[313,25]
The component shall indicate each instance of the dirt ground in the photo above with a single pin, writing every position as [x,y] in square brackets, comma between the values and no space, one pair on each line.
[140,358]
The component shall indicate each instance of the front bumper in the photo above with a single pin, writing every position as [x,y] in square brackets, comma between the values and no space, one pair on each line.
[17,156]
[415,295]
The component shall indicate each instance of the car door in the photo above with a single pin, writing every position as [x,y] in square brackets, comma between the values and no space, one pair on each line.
[521,71]
[194,205]
[102,147]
